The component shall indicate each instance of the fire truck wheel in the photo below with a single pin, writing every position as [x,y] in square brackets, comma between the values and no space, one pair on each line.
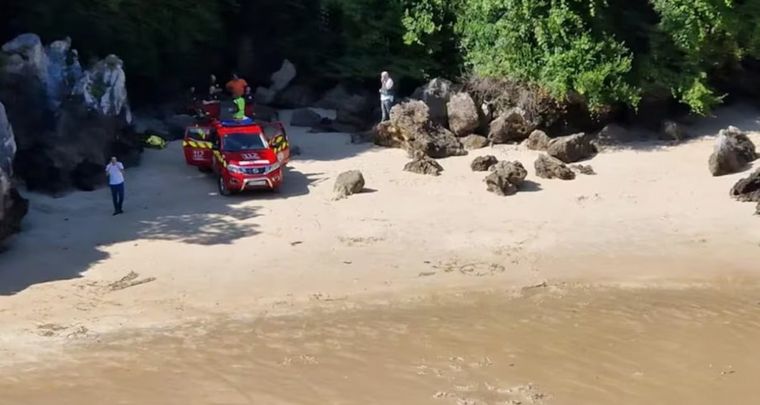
[223,190]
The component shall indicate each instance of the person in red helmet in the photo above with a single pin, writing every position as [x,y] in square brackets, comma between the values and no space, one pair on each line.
[236,86]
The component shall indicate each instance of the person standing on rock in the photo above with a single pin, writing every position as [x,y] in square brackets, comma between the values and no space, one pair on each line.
[115,172]
[386,95]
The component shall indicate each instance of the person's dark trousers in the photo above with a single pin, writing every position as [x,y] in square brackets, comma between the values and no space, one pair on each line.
[117,193]
[386,105]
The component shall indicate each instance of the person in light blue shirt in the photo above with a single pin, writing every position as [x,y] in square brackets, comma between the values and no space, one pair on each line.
[115,172]
[386,95]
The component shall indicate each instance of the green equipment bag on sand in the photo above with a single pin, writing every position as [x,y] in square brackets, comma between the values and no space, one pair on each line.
[155,142]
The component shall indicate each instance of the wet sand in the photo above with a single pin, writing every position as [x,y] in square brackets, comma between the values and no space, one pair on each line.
[543,345]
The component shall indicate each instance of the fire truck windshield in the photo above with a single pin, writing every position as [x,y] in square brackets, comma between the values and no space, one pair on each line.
[242,142]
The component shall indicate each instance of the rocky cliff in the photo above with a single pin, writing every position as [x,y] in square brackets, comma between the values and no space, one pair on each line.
[67,120]
[12,206]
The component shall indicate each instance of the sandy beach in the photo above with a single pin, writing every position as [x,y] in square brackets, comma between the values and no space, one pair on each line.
[653,216]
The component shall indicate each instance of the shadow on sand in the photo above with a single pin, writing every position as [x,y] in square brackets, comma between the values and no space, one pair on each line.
[742,116]
[63,238]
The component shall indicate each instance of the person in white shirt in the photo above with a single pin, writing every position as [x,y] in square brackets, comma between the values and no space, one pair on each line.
[115,172]
[386,95]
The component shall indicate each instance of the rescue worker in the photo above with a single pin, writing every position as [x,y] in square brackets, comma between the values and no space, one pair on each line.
[236,86]
[239,114]
[386,95]
[248,95]
[249,100]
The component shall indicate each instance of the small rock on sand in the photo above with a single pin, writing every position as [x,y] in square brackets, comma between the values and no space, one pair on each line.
[348,183]
[472,142]
[483,163]
[505,178]
[733,152]
[548,167]
[572,148]
[583,169]
[424,165]
[747,189]
[538,140]
[673,131]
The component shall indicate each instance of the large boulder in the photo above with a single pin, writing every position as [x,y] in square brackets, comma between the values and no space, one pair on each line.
[506,178]
[548,167]
[348,183]
[472,142]
[748,189]
[296,96]
[538,140]
[514,171]
[55,68]
[424,165]
[512,126]
[733,152]
[436,95]
[410,128]
[7,143]
[65,121]
[341,98]
[264,95]
[483,163]
[572,148]
[388,135]
[29,53]
[436,142]
[305,117]
[463,115]
[282,78]
[278,82]
[104,88]
[12,206]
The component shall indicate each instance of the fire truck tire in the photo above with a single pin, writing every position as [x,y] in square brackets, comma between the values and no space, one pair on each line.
[223,190]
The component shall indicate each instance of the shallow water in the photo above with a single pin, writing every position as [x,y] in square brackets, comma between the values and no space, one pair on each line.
[547,346]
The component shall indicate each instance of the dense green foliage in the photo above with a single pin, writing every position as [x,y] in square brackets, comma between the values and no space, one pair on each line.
[601,51]
[605,50]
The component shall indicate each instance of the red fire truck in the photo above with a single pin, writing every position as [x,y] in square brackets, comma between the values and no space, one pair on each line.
[244,155]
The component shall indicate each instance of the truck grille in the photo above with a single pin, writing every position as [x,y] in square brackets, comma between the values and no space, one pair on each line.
[254,170]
